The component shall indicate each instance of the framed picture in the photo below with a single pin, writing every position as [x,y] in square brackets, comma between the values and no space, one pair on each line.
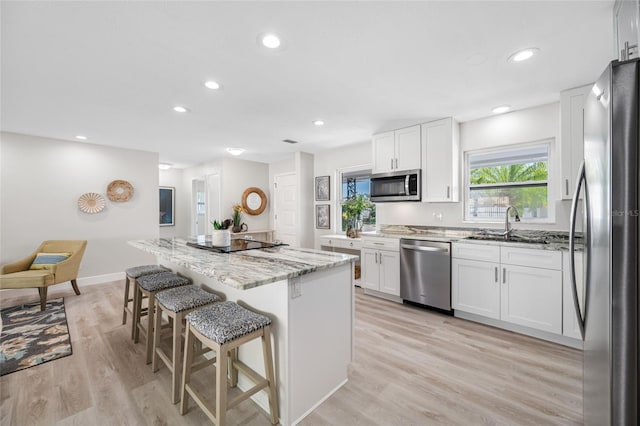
[323,192]
[322,216]
[167,206]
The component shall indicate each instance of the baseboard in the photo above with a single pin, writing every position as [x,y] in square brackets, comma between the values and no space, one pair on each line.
[101,279]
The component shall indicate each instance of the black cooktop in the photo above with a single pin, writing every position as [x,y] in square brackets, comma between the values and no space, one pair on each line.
[236,245]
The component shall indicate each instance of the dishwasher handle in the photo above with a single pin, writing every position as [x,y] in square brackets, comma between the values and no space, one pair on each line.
[423,248]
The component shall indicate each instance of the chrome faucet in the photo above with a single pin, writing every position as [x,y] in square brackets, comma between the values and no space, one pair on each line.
[507,228]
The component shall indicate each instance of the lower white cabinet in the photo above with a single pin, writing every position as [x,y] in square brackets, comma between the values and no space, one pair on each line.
[381,271]
[527,294]
[532,297]
[570,326]
[475,287]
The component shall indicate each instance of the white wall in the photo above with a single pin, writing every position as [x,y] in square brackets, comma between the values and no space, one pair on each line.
[41,180]
[528,125]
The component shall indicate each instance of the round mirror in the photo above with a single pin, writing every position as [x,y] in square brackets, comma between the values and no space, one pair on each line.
[254,200]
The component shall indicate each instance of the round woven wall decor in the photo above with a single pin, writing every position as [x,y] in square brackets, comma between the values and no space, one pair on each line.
[91,203]
[119,191]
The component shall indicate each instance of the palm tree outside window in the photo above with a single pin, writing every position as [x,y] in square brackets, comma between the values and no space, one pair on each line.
[515,176]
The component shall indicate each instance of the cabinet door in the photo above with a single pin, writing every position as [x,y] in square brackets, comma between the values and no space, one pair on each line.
[475,287]
[532,297]
[383,155]
[407,143]
[572,136]
[569,320]
[370,270]
[440,161]
[389,262]
[627,20]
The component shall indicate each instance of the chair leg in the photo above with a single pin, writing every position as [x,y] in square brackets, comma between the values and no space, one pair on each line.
[137,308]
[126,301]
[221,385]
[177,355]
[150,326]
[186,369]
[75,287]
[156,338]
[270,376]
[233,371]
[43,297]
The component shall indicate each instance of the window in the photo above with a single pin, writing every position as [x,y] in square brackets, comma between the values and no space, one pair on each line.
[355,196]
[515,176]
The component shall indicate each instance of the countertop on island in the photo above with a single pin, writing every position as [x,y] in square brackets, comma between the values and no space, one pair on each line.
[246,269]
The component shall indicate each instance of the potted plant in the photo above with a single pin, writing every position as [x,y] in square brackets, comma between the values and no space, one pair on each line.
[221,236]
[352,210]
[237,217]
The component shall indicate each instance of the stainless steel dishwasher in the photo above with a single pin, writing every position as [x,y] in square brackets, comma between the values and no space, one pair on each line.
[425,273]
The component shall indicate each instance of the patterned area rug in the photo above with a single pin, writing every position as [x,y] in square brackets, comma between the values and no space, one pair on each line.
[30,337]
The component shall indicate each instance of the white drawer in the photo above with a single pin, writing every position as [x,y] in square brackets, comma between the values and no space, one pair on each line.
[381,243]
[534,258]
[339,241]
[486,253]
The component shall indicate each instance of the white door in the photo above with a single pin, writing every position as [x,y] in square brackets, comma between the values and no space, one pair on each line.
[212,201]
[532,297]
[475,287]
[199,225]
[389,272]
[286,209]
[370,269]
[408,148]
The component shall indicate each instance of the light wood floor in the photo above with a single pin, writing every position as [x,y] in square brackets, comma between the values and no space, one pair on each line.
[411,367]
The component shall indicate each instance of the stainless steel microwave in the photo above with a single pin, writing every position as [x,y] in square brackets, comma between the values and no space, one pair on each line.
[396,186]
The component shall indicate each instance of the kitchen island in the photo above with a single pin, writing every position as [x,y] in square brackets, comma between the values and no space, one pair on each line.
[307,293]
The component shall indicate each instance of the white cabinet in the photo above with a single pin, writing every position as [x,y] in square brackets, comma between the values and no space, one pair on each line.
[572,137]
[381,265]
[516,285]
[397,150]
[532,297]
[570,326]
[475,287]
[440,159]
[627,20]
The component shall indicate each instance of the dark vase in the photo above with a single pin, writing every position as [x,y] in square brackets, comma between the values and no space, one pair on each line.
[236,229]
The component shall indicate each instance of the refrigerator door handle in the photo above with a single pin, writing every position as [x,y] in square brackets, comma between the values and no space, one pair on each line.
[572,262]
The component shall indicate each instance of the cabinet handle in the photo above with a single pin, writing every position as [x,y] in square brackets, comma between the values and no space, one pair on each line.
[381,258]
[392,163]
[330,242]
[351,244]
[566,186]
[504,275]
[496,274]
[396,163]
[376,257]
[448,191]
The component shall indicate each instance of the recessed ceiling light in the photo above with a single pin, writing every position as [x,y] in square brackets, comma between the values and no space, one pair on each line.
[164,166]
[211,85]
[81,137]
[271,41]
[318,122]
[235,151]
[500,109]
[180,108]
[524,54]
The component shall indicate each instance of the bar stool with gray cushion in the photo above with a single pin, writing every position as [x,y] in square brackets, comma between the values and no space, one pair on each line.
[131,275]
[223,327]
[176,303]
[149,286]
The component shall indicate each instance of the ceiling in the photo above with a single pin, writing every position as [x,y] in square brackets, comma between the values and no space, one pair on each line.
[113,70]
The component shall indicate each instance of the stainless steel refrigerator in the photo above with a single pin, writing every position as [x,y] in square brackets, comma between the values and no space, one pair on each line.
[609,313]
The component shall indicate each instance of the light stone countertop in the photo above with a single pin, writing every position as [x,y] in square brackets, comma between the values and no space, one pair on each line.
[246,269]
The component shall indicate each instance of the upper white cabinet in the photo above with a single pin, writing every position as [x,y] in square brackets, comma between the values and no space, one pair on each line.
[627,20]
[397,150]
[440,158]
[572,136]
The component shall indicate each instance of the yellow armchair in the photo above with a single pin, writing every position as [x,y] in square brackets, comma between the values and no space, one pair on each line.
[18,274]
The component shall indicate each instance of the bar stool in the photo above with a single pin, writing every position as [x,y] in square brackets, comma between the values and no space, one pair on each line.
[223,327]
[131,275]
[176,303]
[149,285]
